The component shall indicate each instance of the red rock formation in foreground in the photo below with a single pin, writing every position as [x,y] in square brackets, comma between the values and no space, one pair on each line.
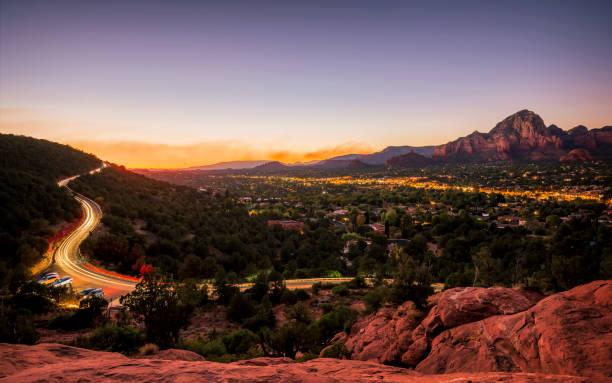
[495,329]
[50,362]
[469,334]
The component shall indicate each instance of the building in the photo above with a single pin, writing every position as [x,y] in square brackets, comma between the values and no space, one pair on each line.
[288,224]
[378,228]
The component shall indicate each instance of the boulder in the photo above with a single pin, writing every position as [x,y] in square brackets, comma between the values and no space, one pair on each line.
[402,336]
[565,333]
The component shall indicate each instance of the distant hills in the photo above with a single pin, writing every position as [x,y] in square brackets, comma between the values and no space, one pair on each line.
[522,136]
[230,165]
[379,158]
[409,160]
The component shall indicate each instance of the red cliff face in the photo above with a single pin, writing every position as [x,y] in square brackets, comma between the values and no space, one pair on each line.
[496,329]
[524,136]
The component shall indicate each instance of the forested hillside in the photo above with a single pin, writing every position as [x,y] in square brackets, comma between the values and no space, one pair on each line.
[30,201]
[192,234]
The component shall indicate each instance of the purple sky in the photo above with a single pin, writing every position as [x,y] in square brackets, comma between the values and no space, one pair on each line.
[250,79]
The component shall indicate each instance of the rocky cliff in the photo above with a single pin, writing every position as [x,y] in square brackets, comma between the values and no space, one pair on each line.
[524,136]
[495,329]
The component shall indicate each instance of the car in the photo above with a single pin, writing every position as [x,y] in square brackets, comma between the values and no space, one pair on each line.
[62,281]
[48,278]
[93,293]
[84,292]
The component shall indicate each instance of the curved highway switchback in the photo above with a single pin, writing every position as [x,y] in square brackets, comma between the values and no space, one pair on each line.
[67,259]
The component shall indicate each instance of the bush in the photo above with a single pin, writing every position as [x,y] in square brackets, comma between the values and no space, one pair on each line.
[357,283]
[374,299]
[289,297]
[125,340]
[16,327]
[240,344]
[336,351]
[34,298]
[341,318]
[240,308]
[212,350]
[90,311]
[306,357]
[148,349]
[239,341]
[341,290]
[326,307]
[302,294]
[315,288]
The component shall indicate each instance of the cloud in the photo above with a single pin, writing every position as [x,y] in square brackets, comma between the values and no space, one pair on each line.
[140,154]
[135,154]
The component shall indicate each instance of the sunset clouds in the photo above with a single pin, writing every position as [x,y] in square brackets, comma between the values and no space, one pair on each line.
[150,155]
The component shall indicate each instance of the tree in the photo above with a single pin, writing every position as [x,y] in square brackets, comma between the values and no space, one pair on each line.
[412,281]
[162,310]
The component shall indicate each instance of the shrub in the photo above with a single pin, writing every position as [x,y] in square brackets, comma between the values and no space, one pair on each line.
[16,327]
[239,341]
[302,294]
[240,308]
[125,340]
[326,307]
[212,350]
[306,357]
[337,351]
[341,290]
[289,297]
[315,288]
[90,311]
[341,318]
[357,283]
[148,349]
[374,299]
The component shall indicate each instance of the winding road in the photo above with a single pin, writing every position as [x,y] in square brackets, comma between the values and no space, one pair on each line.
[68,261]
[67,258]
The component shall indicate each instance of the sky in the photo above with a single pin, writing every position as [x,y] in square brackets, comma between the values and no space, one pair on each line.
[185,83]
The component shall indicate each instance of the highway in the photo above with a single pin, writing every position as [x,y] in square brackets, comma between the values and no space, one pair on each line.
[67,259]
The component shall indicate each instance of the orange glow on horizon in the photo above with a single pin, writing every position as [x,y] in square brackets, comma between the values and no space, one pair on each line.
[134,154]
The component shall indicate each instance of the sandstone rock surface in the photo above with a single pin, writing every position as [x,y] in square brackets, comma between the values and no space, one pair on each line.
[49,362]
[390,333]
[495,329]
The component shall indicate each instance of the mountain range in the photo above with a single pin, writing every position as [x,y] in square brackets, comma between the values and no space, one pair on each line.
[522,136]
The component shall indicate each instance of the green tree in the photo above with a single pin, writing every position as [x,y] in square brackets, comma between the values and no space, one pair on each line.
[162,310]
[412,281]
